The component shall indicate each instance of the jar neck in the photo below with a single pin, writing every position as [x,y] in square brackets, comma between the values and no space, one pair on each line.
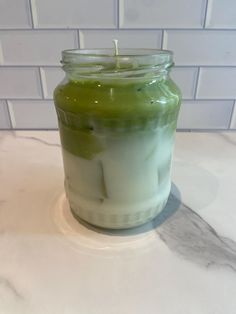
[130,65]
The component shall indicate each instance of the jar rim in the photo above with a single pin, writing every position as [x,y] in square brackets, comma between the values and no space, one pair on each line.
[123,52]
[128,63]
[73,55]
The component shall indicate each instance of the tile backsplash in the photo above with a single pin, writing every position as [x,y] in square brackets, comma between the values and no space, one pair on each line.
[34,32]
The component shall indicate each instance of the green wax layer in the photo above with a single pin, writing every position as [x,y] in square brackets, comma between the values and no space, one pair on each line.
[86,107]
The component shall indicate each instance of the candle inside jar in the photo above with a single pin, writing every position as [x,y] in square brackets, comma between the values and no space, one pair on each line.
[117,137]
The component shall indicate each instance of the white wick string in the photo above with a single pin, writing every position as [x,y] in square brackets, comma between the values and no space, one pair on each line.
[115,41]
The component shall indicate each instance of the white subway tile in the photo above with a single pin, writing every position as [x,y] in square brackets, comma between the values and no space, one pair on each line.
[51,77]
[221,14]
[217,83]
[233,121]
[75,13]
[202,47]
[15,14]
[185,78]
[36,114]
[35,47]
[205,114]
[127,38]
[19,83]
[4,116]
[161,13]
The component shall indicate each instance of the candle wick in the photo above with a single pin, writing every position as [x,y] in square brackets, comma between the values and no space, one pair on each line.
[115,41]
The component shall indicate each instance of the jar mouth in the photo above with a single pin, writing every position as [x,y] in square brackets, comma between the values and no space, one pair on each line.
[104,62]
[123,52]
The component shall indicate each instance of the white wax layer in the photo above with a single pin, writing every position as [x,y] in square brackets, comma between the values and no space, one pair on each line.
[126,184]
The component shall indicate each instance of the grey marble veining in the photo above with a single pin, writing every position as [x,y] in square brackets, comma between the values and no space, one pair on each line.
[7,285]
[189,235]
[182,262]
[228,138]
[37,140]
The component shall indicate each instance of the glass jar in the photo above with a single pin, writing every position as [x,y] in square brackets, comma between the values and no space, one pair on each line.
[117,117]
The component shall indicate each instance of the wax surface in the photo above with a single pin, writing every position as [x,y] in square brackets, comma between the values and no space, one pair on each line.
[95,106]
[118,101]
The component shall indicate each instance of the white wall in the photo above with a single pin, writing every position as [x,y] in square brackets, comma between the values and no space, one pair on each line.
[202,34]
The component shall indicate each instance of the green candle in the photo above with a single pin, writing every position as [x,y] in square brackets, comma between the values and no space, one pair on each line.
[117,117]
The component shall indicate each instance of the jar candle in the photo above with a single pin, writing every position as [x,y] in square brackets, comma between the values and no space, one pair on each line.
[117,116]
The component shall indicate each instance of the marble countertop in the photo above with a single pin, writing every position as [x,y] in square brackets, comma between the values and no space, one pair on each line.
[183,262]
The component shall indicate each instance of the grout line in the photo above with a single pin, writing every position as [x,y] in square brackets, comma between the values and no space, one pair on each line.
[39,29]
[1,54]
[118,14]
[204,66]
[205,17]
[28,66]
[193,66]
[42,82]
[112,29]
[187,29]
[209,99]
[27,99]
[31,14]
[204,130]
[31,129]
[178,130]
[231,115]
[184,99]
[208,17]
[11,114]
[34,15]
[186,67]
[196,83]
[182,130]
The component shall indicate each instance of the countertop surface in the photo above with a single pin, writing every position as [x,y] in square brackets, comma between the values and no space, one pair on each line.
[182,262]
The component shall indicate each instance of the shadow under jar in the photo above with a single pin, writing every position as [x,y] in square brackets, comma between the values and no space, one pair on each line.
[117,117]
